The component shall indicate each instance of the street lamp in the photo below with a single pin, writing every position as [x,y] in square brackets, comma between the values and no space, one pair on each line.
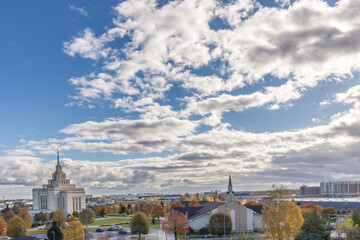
[86,229]
[225,210]
[53,232]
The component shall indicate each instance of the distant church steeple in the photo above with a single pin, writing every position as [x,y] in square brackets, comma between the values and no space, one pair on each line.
[230,193]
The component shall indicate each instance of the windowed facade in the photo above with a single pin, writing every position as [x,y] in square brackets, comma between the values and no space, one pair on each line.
[43,201]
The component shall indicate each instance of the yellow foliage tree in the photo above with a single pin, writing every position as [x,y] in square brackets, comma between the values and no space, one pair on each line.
[282,220]
[58,216]
[197,197]
[209,199]
[26,216]
[16,227]
[74,231]
[194,203]
[72,218]
[3,226]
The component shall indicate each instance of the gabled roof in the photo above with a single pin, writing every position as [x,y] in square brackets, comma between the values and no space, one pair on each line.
[194,212]
[256,208]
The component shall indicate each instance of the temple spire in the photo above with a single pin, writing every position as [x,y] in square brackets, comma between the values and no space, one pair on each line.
[230,185]
[58,158]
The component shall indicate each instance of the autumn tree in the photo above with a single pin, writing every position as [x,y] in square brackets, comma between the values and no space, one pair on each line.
[176,203]
[208,199]
[309,207]
[87,216]
[194,203]
[215,195]
[175,222]
[157,212]
[74,231]
[197,197]
[72,219]
[58,217]
[7,214]
[16,227]
[282,220]
[140,224]
[349,228]
[41,217]
[3,226]
[55,231]
[26,216]
[314,227]
[217,224]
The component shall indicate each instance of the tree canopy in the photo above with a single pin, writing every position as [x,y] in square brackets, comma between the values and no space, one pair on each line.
[218,221]
[87,216]
[74,231]
[314,228]
[55,231]
[282,220]
[140,224]
[3,226]
[58,217]
[175,222]
[16,227]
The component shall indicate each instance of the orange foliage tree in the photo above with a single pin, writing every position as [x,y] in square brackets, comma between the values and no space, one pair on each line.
[158,211]
[309,208]
[3,226]
[176,203]
[175,222]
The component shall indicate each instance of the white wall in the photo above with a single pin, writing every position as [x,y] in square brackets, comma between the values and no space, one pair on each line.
[257,221]
[250,219]
[200,222]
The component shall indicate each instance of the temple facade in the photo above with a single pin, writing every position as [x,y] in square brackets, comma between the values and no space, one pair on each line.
[59,193]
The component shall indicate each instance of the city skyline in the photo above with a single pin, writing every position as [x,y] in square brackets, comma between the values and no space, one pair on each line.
[172,96]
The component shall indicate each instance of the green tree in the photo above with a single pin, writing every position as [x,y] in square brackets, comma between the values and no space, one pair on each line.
[58,217]
[314,228]
[55,231]
[16,227]
[140,224]
[75,214]
[349,228]
[87,215]
[16,208]
[41,217]
[356,216]
[216,224]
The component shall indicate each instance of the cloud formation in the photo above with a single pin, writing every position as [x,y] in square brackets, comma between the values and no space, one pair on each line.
[177,68]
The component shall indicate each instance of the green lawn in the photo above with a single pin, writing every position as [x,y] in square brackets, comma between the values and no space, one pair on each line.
[108,221]
[37,231]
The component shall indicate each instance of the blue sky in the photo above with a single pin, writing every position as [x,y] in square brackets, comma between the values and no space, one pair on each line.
[166,93]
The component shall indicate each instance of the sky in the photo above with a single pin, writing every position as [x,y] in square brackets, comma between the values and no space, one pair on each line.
[173,96]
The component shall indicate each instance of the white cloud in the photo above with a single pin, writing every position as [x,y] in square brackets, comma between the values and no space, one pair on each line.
[82,11]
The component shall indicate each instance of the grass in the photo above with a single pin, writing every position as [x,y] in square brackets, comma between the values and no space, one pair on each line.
[156,225]
[37,231]
[110,221]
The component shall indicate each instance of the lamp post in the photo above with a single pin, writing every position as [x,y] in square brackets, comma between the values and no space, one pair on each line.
[53,232]
[225,210]
[86,229]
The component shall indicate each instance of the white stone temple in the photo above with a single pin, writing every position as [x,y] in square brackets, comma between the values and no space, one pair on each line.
[58,194]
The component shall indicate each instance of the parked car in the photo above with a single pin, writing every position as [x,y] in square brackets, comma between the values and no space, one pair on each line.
[112,229]
[117,228]
[99,230]
[123,232]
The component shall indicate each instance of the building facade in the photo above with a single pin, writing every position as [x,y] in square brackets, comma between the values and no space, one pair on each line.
[59,193]
[340,188]
[309,191]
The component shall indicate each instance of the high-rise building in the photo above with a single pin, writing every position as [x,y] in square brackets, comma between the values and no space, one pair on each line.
[340,188]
